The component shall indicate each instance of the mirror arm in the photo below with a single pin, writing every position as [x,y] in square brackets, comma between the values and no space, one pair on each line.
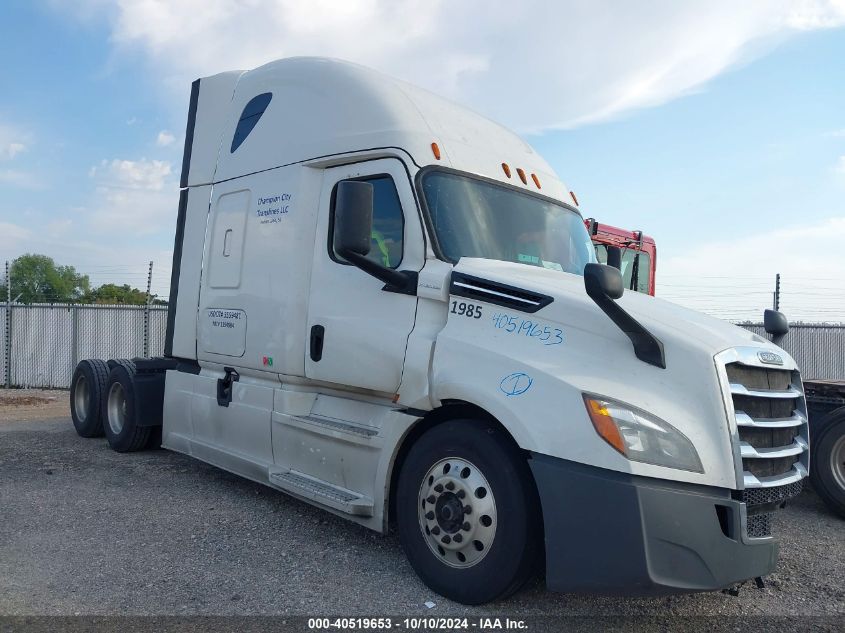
[647,347]
[400,281]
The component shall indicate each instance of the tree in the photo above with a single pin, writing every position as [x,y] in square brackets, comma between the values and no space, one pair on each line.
[114,294]
[38,279]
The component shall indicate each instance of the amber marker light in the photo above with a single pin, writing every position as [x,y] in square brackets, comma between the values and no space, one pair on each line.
[522,176]
[435,150]
[604,424]
[536,180]
[506,169]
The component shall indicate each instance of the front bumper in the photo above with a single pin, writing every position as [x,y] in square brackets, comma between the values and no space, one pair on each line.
[613,533]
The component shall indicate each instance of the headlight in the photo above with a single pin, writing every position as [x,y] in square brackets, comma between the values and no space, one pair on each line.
[641,437]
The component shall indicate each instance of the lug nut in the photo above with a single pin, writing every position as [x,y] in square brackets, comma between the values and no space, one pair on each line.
[446,539]
[458,538]
[450,485]
[467,509]
[466,526]
[438,488]
[429,515]
[431,498]
[435,530]
[460,494]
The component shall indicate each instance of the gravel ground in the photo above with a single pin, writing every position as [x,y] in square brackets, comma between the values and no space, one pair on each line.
[33,404]
[84,530]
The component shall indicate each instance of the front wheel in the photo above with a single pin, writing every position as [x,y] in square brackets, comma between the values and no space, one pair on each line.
[828,463]
[468,513]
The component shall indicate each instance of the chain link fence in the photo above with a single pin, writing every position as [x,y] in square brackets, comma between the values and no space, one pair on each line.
[3,344]
[45,342]
[818,348]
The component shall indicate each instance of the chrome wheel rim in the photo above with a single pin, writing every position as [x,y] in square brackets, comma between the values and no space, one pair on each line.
[117,408]
[457,512]
[837,462]
[80,398]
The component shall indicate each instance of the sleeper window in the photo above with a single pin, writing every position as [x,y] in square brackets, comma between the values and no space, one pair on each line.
[386,242]
[249,118]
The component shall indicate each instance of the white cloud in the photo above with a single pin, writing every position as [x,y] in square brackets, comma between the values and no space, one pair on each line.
[840,166]
[132,174]
[133,197]
[19,178]
[13,149]
[11,235]
[812,14]
[164,138]
[579,62]
[127,212]
[12,142]
[59,227]
[735,278]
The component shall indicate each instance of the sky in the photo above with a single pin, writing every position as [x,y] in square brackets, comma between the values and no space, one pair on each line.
[716,127]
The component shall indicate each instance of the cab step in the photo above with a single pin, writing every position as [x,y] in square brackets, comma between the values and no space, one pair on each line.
[344,430]
[322,492]
[344,426]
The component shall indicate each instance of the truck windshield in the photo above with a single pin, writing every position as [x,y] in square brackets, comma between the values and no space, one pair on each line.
[475,218]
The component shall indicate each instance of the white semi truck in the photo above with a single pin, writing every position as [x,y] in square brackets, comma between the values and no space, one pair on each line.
[388,306]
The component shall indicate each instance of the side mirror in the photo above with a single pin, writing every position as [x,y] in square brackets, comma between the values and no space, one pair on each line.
[775,323]
[604,280]
[604,284]
[614,257]
[353,228]
[353,218]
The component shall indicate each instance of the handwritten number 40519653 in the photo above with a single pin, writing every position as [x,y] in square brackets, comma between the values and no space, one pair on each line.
[517,325]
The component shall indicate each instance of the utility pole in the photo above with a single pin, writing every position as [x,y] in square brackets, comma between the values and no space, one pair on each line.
[776,302]
[147,312]
[8,328]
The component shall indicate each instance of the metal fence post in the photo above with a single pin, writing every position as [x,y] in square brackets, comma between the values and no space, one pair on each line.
[147,313]
[74,338]
[8,328]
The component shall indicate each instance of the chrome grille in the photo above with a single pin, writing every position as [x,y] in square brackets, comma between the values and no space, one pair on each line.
[768,424]
[771,424]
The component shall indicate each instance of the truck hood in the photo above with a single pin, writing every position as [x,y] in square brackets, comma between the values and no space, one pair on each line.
[574,308]
[578,350]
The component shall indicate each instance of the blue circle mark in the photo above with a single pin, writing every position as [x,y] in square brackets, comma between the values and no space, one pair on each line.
[516,384]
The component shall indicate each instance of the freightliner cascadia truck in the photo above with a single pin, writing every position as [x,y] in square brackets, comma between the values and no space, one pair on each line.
[388,306]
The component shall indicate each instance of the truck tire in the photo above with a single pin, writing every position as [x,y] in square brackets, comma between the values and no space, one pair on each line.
[122,431]
[468,512]
[827,470]
[87,389]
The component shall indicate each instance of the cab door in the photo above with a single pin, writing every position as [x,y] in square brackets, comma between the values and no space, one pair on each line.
[358,332]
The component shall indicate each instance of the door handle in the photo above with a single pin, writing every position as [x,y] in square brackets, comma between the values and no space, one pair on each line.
[316,345]
[224,386]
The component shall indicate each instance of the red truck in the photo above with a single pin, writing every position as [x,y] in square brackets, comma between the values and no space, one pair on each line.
[635,255]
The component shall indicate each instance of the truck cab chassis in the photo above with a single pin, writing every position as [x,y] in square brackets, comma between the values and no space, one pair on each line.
[389,306]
